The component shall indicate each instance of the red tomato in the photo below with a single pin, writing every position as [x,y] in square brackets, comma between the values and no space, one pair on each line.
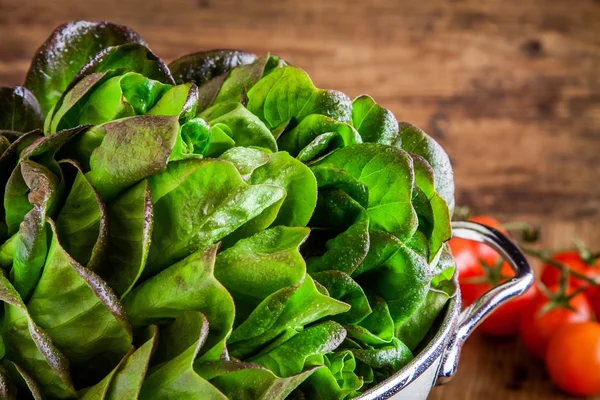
[551,275]
[538,325]
[573,358]
[505,320]
[483,251]
[475,280]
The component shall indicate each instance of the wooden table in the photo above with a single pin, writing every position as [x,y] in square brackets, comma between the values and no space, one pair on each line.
[510,88]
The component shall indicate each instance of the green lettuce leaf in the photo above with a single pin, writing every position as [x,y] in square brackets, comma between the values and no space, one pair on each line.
[130,228]
[260,265]
[93,332]
[188,285]
[290,358]
[245,381]
[31,347]
[289,308]
[245,128]
[174,377]
[307,140]
[414,140]
[388,174]
[374,123]
[200,202]
[287,94]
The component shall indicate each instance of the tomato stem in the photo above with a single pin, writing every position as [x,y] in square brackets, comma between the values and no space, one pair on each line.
[546,258]
[527,232]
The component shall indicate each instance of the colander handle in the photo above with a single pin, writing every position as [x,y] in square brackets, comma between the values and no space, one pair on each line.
[474,315]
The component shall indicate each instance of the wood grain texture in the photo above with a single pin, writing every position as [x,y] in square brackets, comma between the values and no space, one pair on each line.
[510,88]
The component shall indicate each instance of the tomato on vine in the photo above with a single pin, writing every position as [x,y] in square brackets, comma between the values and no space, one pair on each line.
[548,310]
[573,358]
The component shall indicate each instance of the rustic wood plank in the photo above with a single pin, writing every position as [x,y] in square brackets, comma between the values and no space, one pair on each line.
[511,89]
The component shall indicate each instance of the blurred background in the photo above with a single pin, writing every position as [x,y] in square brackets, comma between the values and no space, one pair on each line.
[510,88]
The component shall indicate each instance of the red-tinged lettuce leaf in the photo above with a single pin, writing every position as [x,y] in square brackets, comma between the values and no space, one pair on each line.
[8,161]
[8,389]
[66,51]
[31,347]
[179,346]
[19,110]
[84,318]
[245,381]
[203,66]
[342,287]
[45,150]
[134,57]
[26,386]
[200,202]
[287,94]
[4,143]
[188,285]
[260,265]
[291,357]
[31,241]
[289,308]
[374,123]
[243,77]
[414,140]
[129,150]
[131,223]
[126,379]
[82,222]
[306,140]
[388,174]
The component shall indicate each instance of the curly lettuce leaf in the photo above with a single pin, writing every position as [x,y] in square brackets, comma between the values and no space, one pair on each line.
[245,381]
[388,174]
[93,331]
[31,347]
[174,377]
[260,265]
[395,272]
[414,140]
[66,51]
[307,140]
[189,285]
[31,241]
[200,202]
[130,228]
[289,308]
[374,123]
[287,94]
[244,127]
[290,358]
[203,66]
[19,110]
